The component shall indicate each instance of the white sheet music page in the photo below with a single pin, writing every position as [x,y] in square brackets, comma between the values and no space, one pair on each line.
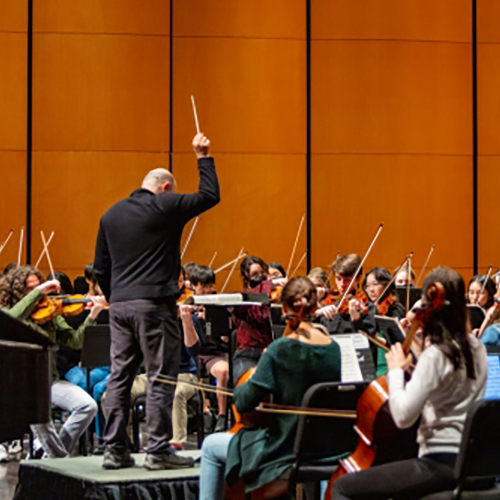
[350,370]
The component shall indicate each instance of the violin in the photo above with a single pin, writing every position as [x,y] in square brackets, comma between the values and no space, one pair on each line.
[380,440]
[384,305]
[51,306]
[360,297]
[187,293]
[330,299]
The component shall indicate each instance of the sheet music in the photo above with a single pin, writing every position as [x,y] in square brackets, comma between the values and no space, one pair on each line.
[350,369]
[493,380]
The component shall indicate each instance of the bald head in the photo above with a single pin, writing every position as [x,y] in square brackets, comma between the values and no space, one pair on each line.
[159,180]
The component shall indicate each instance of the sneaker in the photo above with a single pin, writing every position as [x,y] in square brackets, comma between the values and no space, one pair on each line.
[220,426]
[208,423]
[114,459]
[4,454]
[167,461]
[176,446]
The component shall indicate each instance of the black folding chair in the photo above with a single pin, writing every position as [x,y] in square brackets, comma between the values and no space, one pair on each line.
[321,441]
[478,463]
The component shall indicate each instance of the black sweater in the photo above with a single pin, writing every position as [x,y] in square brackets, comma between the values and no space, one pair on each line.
[137,251]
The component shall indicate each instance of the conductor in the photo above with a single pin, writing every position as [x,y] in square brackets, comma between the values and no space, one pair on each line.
[137,263]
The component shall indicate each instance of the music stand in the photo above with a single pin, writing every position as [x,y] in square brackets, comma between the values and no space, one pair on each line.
[476,315]
[415,294]
[391,329]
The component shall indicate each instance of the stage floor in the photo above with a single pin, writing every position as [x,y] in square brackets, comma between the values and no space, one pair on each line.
[84,477]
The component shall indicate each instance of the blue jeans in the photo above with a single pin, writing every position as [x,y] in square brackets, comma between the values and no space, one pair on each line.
[491,336]
[213,465]
[98,380]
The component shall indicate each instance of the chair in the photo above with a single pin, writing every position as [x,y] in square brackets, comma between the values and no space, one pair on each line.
[478,462]
[320,441]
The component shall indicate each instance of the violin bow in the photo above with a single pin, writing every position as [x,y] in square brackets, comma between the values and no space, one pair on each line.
[227,264]
[408,284]
[421,275]
[193,227]
[377,234]
[46,248]
[299,264]
[295,244]
[43,251]
[393,279]
[265,407]
[20,251]
[213,260]
[232,269]
[488,275]
[197,123]
[4,243]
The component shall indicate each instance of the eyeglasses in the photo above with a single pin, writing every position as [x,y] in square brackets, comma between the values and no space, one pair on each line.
[372,285]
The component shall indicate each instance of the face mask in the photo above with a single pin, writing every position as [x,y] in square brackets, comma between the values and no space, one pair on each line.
[257,281]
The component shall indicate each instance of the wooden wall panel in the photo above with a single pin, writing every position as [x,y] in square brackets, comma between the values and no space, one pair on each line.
[71,192]
[100,92]
[13,60]
[262,203]
[391,97]
[148,17]
[252,99]
[392,130]
[244,18]
[426,20]
[488,80]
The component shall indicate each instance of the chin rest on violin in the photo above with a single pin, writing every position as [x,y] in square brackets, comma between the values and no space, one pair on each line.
[50,307]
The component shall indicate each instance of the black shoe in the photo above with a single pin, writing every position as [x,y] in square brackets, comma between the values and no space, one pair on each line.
[99,449]
[117,460]
[221,424]
[208,423]
[167,461]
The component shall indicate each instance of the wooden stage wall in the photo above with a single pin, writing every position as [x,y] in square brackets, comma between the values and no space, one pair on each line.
[391,122]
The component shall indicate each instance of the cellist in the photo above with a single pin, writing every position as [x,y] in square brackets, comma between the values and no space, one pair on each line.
[449,377]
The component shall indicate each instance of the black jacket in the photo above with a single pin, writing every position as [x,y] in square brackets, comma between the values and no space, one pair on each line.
[137,251]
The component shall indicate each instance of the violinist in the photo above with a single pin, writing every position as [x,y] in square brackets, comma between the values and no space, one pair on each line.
[262,457]
[319,278]
[188,268]
[20,291]
[213,357]
[405,273]
[449,377]
[356,312]
[276,270]
[386,301]
[481,291]
[253,325]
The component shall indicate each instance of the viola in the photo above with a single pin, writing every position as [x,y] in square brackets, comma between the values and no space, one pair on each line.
[51,306]
[380,440]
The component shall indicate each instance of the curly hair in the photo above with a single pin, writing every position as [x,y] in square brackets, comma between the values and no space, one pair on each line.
[13,285]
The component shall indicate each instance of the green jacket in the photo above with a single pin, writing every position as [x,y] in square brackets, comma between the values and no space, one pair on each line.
[56,329]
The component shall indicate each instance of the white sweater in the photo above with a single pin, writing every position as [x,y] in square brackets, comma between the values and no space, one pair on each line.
[440,394]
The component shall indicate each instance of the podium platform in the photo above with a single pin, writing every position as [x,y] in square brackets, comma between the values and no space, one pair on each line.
[84,478]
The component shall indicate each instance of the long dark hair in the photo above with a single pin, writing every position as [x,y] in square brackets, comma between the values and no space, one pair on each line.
[13,285]
[245,267]
[490,287]
[447,327]
[383,276]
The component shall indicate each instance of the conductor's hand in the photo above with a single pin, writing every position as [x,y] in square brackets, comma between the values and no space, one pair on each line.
[49,286]
[201,146]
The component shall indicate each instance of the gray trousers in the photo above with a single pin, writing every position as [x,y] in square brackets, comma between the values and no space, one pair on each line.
[82,408]
[142,329]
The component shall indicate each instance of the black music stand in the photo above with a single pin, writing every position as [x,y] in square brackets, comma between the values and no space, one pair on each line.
[476,315]
[415,294]
[95,352]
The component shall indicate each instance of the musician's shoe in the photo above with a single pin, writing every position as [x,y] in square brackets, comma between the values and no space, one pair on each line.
[220,426]
[208,423]
[114,459]
[167,461]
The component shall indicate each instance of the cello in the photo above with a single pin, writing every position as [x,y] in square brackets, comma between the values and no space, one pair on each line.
[380,441]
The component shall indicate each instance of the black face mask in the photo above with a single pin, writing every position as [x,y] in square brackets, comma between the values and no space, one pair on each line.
[257,281]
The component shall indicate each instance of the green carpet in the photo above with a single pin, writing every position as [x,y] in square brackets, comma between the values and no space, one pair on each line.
[90,468]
